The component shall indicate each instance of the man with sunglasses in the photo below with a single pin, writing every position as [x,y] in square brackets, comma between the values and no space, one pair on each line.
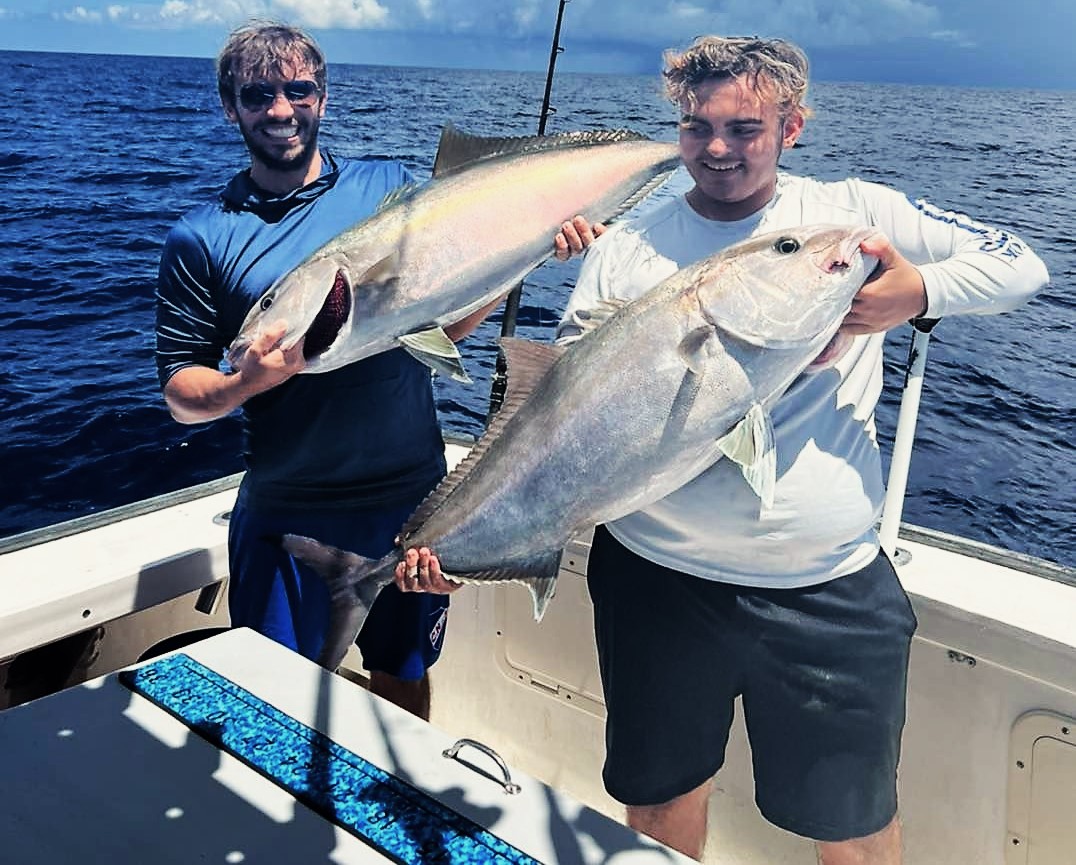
[343,456]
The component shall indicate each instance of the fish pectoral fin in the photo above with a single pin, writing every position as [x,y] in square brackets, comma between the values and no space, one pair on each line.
[694,349]
[434,348]
[384,272]
[588,320]
[750,444]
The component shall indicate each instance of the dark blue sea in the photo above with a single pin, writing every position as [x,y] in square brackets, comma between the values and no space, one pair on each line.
[103,153]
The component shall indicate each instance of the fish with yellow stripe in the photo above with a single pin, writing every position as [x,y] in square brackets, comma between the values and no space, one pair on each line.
[436,252]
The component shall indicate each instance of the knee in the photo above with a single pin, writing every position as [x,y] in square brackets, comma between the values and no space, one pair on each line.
[881,848]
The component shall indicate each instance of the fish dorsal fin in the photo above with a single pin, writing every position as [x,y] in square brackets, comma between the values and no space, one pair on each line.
[433,348]
[750,444]
[527,363]
[457,149]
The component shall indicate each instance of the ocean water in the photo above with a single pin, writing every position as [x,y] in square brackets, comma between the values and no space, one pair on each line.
[108,151]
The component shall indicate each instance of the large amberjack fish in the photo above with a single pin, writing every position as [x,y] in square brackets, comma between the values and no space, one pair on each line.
[657,391]
[435,253]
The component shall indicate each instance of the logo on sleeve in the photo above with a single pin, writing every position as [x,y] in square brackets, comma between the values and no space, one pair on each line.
[993,240]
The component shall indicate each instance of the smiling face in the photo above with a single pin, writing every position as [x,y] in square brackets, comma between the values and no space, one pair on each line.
[731,137]
[282,135]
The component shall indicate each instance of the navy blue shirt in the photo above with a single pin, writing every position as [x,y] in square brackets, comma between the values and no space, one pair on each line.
[365,434]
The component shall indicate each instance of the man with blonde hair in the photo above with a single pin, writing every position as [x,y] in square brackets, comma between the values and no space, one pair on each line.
[707,595]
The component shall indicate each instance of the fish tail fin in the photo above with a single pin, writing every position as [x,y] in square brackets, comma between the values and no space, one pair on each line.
[353,582]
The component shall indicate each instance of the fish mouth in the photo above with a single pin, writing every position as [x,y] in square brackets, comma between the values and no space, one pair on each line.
[836,259]
[840,256]
[326,325]
[835,349]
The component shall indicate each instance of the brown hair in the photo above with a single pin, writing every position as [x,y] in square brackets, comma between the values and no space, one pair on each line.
[264,49]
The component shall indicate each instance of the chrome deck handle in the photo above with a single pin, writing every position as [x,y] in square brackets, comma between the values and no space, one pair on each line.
[508,784]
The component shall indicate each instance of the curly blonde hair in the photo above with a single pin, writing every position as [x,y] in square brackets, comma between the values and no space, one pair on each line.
[773,67]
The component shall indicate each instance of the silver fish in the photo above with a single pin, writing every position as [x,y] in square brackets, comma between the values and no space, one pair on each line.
[654,393]
[435,253]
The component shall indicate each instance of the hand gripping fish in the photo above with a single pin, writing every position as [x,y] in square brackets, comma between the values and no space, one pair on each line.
[435,253]
[654,394]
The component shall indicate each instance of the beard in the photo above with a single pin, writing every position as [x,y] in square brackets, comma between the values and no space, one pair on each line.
[308,137]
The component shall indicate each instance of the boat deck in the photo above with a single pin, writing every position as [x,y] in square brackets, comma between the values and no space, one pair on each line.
[103,774]
[988,773]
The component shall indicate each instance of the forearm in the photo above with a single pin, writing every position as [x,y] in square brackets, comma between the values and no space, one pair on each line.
[967,267]
[199,394]
[982,283]
[466,326]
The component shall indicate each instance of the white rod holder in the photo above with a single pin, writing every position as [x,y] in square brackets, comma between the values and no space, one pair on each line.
[905,436]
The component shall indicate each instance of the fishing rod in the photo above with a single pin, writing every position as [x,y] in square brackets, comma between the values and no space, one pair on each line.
[511,303]
[904,438]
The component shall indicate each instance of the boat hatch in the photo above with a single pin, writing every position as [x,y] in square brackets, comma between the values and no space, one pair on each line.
[1042,790]
[556,656]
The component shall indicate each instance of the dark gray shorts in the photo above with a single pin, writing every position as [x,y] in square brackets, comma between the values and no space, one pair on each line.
[822,672]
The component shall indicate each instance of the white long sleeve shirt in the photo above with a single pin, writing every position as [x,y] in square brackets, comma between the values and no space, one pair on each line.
[829,490]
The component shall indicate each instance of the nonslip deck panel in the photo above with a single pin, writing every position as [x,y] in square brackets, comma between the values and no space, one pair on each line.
[390,815]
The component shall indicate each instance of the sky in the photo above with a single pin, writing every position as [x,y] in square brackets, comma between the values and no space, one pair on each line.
[989,43]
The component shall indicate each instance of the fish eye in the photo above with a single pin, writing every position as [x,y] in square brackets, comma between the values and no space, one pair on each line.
[266,302]
[787,245]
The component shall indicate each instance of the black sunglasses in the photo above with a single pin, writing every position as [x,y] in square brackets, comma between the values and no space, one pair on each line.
[259,95]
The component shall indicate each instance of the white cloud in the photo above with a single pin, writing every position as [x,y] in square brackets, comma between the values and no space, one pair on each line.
[81,14]
[348,14]
[671,22]
[667,23]
[173,14]
[956,37]
[180,11]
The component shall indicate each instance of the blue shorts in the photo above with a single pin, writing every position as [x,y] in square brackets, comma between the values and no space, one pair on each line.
[285,600]
[821,671]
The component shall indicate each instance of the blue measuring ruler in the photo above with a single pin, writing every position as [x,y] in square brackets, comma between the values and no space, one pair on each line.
[390,815]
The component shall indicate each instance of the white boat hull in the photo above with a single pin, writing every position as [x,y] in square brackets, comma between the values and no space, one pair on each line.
[988,774]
